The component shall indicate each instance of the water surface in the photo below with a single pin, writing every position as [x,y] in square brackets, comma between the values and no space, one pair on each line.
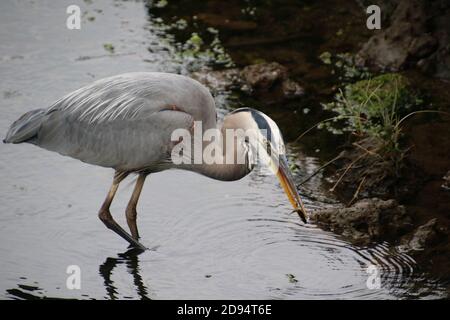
[209,239]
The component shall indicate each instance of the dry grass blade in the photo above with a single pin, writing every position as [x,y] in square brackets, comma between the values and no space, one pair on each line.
[355,195]
[319,169]
[347,169]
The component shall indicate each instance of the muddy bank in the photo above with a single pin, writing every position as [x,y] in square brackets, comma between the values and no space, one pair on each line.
[276,47]
[414,184]
[372,220]
[367,221]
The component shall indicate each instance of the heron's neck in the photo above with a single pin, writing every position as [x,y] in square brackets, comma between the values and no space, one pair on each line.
[224,172]
[231,160]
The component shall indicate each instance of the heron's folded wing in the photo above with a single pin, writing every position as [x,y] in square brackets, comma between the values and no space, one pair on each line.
[125,120]
[126,144]
[118,97]
[114,123]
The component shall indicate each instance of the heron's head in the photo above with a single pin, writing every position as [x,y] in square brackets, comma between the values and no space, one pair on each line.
[264,139]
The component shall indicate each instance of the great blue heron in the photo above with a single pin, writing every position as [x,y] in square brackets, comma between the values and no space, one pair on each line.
[126,122]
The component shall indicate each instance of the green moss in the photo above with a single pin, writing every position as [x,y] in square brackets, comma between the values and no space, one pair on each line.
[161,3]
[344,65]
[291,278]
[325,57]
[196,53]
[372,106]
[108,47]
[381,93]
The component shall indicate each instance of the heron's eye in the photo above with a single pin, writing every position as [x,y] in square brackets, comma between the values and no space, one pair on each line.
[246,140]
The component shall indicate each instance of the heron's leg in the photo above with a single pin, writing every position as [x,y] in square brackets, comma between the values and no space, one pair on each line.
[106,217]
[131,213]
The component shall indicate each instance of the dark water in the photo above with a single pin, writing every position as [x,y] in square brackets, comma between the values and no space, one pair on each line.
[209,239]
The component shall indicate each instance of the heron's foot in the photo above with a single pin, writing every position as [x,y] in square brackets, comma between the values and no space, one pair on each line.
[110,223]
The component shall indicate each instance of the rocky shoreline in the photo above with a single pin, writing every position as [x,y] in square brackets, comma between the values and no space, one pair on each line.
[406,201]
[379,210]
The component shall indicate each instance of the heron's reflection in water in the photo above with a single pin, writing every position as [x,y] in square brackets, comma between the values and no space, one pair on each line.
[131,260]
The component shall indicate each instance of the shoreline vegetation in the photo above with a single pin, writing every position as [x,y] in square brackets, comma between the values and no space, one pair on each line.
[383,123]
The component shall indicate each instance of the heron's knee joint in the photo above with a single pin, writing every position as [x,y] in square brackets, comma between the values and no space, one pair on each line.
[104,215]
[131,213]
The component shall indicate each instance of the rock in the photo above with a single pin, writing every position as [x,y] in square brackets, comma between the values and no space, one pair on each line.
[220,80]
[366,221]
[264,75]
[392,47]
[423,46]
[418,35]
[438,64]
[429,246]
[291,89]
[264,80]
[446,178]
[425,236]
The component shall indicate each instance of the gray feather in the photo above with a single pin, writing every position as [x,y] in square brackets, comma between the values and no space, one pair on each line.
[26,127]
[124,122]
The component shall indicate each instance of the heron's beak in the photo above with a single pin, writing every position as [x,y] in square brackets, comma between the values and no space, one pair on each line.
[287,182]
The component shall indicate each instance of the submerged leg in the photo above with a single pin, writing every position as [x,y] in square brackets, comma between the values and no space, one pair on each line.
[105,214]
[131,213]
